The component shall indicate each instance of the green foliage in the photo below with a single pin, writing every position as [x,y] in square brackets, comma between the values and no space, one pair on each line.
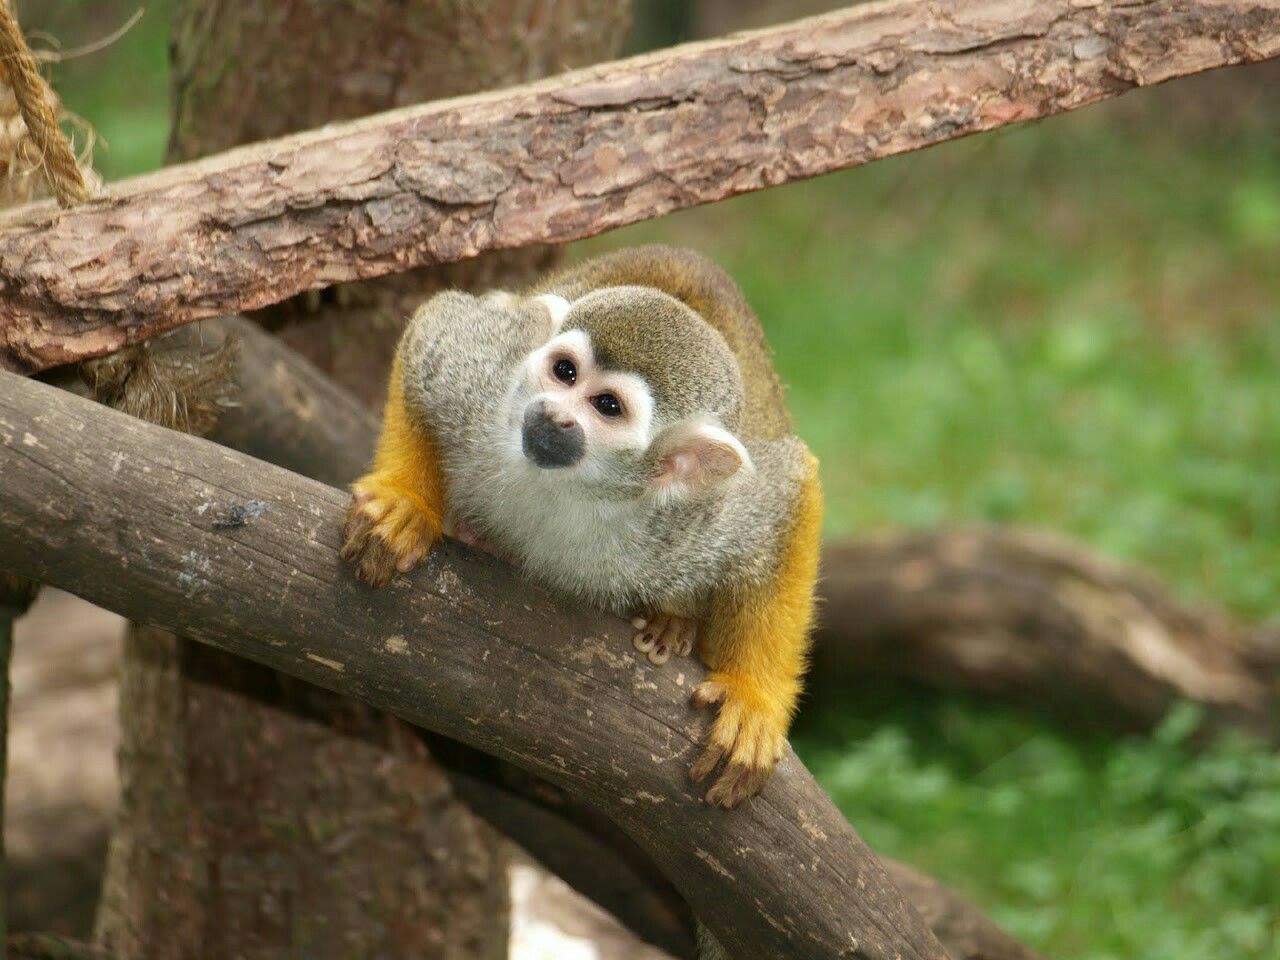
[1063,325]
[1074,325]
[1087,848]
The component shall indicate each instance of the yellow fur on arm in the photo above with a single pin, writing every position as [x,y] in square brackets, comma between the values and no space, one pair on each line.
[756,644]
[406,458]
[398,507]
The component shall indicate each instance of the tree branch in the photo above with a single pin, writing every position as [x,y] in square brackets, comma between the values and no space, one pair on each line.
[579,154]
[179,532]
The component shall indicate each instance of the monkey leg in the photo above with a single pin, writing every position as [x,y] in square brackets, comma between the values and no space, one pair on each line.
[663,635]
[397,508]
[755,643]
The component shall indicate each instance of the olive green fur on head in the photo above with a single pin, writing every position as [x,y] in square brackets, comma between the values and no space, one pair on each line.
[686,363]
[705,288]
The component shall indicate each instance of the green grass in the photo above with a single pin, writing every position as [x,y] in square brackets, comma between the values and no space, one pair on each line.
[1074,325]
[1132,850]
[121,90]
[1054,326]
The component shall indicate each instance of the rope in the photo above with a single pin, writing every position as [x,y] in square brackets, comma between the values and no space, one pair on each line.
[35,102]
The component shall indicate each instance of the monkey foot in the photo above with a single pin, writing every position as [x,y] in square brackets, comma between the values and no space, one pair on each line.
[749,740]
[387,532]
[663,635]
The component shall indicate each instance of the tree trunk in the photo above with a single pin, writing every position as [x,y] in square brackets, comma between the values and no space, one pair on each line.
[245,829]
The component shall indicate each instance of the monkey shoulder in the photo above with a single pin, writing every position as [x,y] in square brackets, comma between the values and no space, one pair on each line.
[459,350]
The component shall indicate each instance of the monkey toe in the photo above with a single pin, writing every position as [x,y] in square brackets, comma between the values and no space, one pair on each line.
[748,742]
[377,564]
[663,635]
[738,782]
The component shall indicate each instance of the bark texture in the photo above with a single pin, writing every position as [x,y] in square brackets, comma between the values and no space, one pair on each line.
[386,53]
[580,154]
[352,844]
[1032,618]
[195,538]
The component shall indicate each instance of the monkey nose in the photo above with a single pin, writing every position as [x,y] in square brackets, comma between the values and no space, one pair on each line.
[552,440]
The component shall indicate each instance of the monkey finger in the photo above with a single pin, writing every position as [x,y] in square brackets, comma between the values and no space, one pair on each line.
[706,763]
[669,639]
[355,535]
[682,646]
[644,641]
[639,622]
[376,565]
[410,560]
[660,653]
[707,693]
[738,782]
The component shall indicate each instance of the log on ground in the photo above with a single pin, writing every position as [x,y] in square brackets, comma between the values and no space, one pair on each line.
[1032,618]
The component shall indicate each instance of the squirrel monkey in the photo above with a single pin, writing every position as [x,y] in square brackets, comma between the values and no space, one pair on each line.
[619,432]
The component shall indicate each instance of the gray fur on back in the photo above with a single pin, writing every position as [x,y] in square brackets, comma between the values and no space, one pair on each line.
[606,542]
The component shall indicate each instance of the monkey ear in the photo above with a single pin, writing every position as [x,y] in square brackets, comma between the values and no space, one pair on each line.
[695,456]
[557,306]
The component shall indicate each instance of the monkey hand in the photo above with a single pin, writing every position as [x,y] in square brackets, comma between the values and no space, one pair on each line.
[663,635]
[388,530]
[749,734]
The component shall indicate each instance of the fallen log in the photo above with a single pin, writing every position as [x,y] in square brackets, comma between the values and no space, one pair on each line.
[179,532]
[579,154]
[1031,618]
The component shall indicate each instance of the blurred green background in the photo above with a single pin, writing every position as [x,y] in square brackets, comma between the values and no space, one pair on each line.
[1073,324]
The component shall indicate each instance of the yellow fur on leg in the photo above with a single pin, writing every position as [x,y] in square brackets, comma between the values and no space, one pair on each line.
[397,508]
[755,646]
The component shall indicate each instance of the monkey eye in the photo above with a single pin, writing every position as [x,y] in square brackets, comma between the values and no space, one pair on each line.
[565,371]
[607,405]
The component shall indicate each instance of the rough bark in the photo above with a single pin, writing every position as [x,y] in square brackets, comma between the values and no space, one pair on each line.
[580,154]
[413,873]
[195,538]
[289,413]
[1032,618]
[386,53]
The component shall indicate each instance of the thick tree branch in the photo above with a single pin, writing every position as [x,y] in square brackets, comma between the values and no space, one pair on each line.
[578,155]
[177,531]
[290,414]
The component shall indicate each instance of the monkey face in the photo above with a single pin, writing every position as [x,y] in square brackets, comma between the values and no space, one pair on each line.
[571,412]
[573,417]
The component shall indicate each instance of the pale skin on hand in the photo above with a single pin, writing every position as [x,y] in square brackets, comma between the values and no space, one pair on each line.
[664,635]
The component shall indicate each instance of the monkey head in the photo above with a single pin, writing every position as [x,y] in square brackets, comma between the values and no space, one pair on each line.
[633,394]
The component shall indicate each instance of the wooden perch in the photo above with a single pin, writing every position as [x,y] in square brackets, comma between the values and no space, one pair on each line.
[579,154]
[180,532]
[290,414]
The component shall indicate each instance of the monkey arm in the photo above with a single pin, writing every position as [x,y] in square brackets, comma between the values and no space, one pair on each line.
[398,507]
[755,642]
